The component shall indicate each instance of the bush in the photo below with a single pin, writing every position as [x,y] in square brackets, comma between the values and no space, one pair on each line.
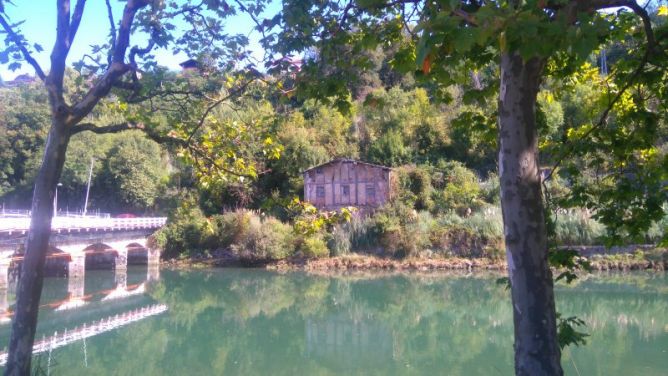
[339,240]
[414,187]
[261,239]
[248,236]
[461,192]
[576,227]
[185,232]
[488,223]
[490,189]
[399,230]
[480,235]
[363,234]
[313,247]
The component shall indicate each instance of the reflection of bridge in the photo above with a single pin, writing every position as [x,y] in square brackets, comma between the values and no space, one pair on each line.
[79,241]
[82,306]
[88,330]
[76,297]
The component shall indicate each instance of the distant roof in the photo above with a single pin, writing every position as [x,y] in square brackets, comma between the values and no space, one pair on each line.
[347,160]
[190,63]
[21,79]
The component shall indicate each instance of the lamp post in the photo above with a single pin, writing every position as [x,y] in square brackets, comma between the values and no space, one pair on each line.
[55,200]
[90,175]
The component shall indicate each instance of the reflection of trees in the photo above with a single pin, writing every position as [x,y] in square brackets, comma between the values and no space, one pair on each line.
[626,314]
[254,322]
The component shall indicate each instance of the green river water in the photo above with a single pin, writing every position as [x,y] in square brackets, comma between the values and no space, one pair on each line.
[256,322]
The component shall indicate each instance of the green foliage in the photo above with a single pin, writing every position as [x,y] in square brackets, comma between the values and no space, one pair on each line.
[129,173]
[576,227]
[338,240]
[23,131]
[567,333]
[185,232]
[567,262]
[308,220]
[389,149]
[132,173]
[415,187]
[263,239]
[313,246]
[461,190]
[490,190]
[249,237]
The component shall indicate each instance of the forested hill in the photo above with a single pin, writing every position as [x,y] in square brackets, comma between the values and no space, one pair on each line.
[447,147]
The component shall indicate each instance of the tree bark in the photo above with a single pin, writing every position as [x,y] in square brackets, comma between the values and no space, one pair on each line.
[32,272]
[537,350]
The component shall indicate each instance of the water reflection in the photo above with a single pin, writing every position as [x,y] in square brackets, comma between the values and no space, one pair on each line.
[255,322]
[82,306]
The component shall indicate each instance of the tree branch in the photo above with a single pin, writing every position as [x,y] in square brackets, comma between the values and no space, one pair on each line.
[24,51]
[117,68]
[647,25]
[61,48]
[125,29]
[114,128]
[216,104]
[76,20]
[112,29]
[604,116]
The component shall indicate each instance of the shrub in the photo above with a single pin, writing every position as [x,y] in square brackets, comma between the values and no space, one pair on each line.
[490,189]
[461,192]
[399,230]
[339,240]
[488,223]
[415,237]
[185,232]
[313,247]
[576,227]
[262,240]
[480,235]
[414,187]
[363,234]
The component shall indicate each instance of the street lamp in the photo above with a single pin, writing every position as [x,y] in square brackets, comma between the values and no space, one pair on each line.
[55,200]
[90,175]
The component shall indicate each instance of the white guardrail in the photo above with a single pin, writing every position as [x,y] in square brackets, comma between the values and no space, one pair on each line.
[74,223]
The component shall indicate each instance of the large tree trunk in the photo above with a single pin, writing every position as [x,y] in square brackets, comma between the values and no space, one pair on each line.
[536,347]
[32,271]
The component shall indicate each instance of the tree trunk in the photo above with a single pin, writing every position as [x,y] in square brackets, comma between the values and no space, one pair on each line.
[32,272]
[537,350]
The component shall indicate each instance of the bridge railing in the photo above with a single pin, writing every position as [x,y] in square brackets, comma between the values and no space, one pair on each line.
[85,223]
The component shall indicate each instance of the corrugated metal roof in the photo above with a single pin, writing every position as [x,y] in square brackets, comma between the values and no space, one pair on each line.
[347,160]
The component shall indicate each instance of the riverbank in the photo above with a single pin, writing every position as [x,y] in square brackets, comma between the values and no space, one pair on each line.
[656,260]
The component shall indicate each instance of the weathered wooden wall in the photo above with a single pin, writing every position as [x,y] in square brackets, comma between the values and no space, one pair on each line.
[347,183]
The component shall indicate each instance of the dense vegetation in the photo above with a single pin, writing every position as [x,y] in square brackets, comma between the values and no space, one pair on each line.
[447,192]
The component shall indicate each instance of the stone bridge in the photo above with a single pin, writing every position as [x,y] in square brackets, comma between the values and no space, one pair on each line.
[80,242]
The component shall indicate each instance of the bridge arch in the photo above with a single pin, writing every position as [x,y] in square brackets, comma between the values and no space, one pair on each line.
[57,261]
[138,253]
[100,256]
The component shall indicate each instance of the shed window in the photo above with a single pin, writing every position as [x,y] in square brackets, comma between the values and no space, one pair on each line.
[320,191]
[345,190]
[370,191]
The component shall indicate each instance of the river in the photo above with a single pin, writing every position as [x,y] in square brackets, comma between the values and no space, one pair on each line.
[257,322]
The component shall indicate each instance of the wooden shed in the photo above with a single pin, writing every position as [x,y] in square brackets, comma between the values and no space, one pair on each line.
[347,182]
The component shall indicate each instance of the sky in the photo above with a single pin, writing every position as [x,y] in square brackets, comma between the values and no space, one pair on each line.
[40,27]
